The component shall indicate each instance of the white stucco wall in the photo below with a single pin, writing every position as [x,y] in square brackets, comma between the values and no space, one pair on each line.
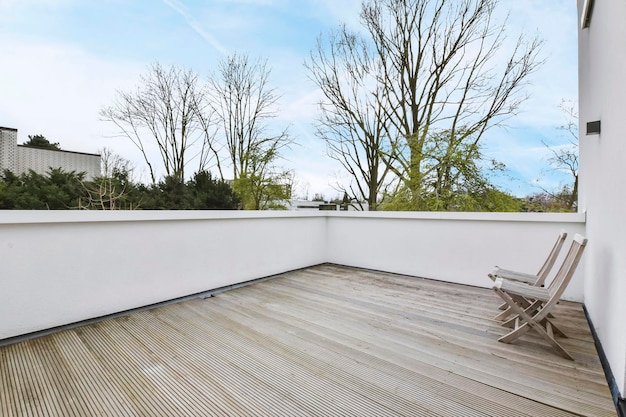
[602,96]
[60,267]
[453,247]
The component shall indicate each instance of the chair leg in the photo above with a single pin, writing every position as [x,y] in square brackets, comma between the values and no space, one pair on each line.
[529,308]
[502,316]
[515,333]
[507,310]
[529,322]
[510,323]
[555,328]
[519,330]
[549,337]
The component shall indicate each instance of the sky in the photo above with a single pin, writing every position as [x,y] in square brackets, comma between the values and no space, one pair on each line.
[62,61]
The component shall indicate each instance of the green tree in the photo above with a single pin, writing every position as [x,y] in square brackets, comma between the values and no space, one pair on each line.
[60,190]
[452,179]
[168,194]
[244,105]
[485,198]
[57,190]
[40,141]
[207,192]
[202,192]
[436,73]
[258,192]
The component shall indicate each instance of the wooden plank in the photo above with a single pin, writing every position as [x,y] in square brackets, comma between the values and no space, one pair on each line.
[310,390]
[91,390]
[460,329]
[221,381]
[429,347]
[427,387]
[433,304]
[134,371]
[273,352]
[589,347]
[235,375]
[530,380]
[47,395]
[325,340]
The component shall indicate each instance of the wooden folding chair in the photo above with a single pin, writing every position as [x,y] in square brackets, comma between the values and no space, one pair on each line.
[536,315]
[536,280]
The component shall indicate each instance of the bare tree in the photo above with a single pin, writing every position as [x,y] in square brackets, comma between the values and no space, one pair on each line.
[114,164]
[109,191]
[164,111]
[244,106]
[564,158]
[352,122]
[106,193]
[442,77]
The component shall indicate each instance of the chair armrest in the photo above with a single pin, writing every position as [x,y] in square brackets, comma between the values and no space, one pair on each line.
[521,289]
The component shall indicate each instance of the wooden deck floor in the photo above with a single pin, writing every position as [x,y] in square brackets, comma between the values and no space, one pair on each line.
[326,340]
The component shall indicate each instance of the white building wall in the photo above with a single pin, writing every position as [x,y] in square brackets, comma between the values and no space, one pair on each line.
[41,160]
[8,144]
[19,159]
[602,96]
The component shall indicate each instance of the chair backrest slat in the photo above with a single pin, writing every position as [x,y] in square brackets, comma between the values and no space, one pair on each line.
[551,259]
[566,271]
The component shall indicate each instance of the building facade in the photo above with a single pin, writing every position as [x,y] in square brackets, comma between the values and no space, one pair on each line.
[602,98]
[19,159]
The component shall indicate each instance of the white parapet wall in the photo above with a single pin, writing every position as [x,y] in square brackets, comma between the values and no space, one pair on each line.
[67,266]
[454,247]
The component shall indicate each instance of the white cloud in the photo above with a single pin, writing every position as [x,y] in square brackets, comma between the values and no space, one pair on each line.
[196,26]
[58,91]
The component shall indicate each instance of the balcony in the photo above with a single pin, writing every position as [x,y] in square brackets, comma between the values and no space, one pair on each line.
[323,339]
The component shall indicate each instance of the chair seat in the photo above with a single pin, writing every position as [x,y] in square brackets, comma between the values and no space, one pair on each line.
[523,290]
[513,275]
[537,280]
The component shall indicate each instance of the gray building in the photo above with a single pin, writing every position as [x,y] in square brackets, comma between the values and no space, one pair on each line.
[19,159]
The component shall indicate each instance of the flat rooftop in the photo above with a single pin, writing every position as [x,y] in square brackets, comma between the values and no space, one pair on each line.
[327,340]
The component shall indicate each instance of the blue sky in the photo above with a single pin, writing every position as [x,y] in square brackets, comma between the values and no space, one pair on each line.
[61,61]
